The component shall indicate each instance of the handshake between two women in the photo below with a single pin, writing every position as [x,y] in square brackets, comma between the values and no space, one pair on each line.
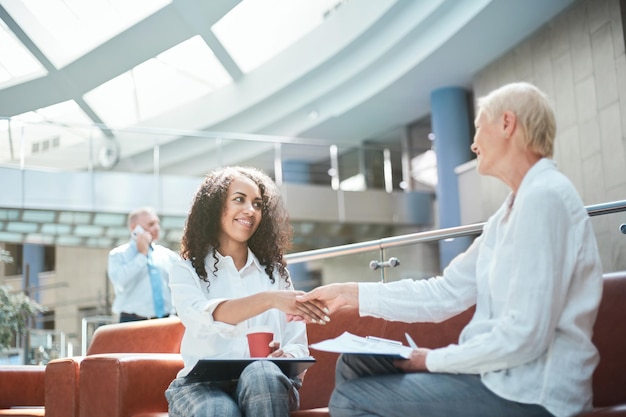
[317,305]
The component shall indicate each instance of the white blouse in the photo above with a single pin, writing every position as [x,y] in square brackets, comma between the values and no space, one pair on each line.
[195,300]
[535,276]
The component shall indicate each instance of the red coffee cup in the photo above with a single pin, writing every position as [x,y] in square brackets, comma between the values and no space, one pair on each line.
[259,339]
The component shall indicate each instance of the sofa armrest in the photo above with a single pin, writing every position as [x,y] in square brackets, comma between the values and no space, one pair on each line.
[123,385]
[62,386]
[21,385]
[612,411]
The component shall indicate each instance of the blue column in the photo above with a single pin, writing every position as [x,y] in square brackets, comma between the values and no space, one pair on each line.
[33,256]
[452,125]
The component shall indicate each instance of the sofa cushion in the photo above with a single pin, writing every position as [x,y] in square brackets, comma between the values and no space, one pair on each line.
[429,335]
[616,411]
[21,386]
[147,336]
[609,336]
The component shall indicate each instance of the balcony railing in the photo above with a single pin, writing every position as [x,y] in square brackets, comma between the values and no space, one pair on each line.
[381,245]
[157,151]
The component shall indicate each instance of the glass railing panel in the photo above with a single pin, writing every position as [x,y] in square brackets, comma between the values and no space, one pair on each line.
[345,268]
[47,146]
[26,144]
[417,261]
[45,345]
[607,218]
[305,163]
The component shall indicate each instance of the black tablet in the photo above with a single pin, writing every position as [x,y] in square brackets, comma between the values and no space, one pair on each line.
[213,370]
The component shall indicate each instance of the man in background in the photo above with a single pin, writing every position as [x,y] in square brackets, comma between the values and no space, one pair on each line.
[139,270]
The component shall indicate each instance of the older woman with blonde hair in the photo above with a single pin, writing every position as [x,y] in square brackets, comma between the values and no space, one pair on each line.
[534,276]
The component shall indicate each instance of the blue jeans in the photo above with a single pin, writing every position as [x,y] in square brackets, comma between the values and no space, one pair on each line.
[262,390]
[372,386]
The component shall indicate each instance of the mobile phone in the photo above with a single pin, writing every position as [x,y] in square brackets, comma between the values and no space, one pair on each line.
[136,231]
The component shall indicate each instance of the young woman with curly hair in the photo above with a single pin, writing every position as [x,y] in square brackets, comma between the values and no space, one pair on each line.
[233,277]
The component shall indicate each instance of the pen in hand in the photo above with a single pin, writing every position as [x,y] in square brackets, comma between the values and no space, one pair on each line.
[410,340]
[380,339]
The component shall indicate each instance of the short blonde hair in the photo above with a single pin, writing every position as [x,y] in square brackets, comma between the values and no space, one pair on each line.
[533,110]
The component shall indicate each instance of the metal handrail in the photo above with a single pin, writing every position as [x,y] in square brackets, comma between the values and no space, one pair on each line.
[422,237]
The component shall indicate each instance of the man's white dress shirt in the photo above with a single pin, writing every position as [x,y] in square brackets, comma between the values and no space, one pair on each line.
[128,272]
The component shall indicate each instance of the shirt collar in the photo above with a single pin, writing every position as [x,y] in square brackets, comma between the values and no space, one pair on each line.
[252,260]
[540,166]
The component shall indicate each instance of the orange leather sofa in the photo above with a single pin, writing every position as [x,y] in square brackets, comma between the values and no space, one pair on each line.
[132,384]
[24,390]
[609,381]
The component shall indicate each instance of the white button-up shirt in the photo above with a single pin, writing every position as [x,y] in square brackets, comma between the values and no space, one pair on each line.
[535,276]
[195,300]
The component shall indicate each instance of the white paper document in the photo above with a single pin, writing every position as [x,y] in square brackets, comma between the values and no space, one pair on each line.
[350,343]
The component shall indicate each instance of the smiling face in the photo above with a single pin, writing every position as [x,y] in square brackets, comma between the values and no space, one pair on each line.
[489,140]
[242,212]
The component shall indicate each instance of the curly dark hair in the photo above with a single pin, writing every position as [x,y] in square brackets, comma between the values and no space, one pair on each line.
[203,225]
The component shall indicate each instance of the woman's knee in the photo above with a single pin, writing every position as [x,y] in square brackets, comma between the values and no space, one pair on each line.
[263,387]
[199,400]
[264,375]
[356,366]
[342,402]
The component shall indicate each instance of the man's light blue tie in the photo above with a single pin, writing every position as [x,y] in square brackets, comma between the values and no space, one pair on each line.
[157,290]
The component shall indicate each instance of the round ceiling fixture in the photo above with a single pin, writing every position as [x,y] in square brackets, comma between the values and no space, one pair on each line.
[109,154]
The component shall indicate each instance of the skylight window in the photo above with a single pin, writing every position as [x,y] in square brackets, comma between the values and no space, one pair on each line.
[66,29]
[16,62]
[256,30]
[183,73]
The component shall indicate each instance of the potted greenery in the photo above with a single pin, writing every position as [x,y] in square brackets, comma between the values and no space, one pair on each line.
[15,309]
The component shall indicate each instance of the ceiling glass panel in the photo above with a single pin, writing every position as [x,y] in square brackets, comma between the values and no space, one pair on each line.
[114,101]
[109,219]
[8,214]
[38,216]
[99,241]
[16,62]
[66,29]
[88,230]
[56,229]
[181,74]
[21,227]
[119,232]
[173,221]
[270,27]
[74,217]
[11,237]
[69,240]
